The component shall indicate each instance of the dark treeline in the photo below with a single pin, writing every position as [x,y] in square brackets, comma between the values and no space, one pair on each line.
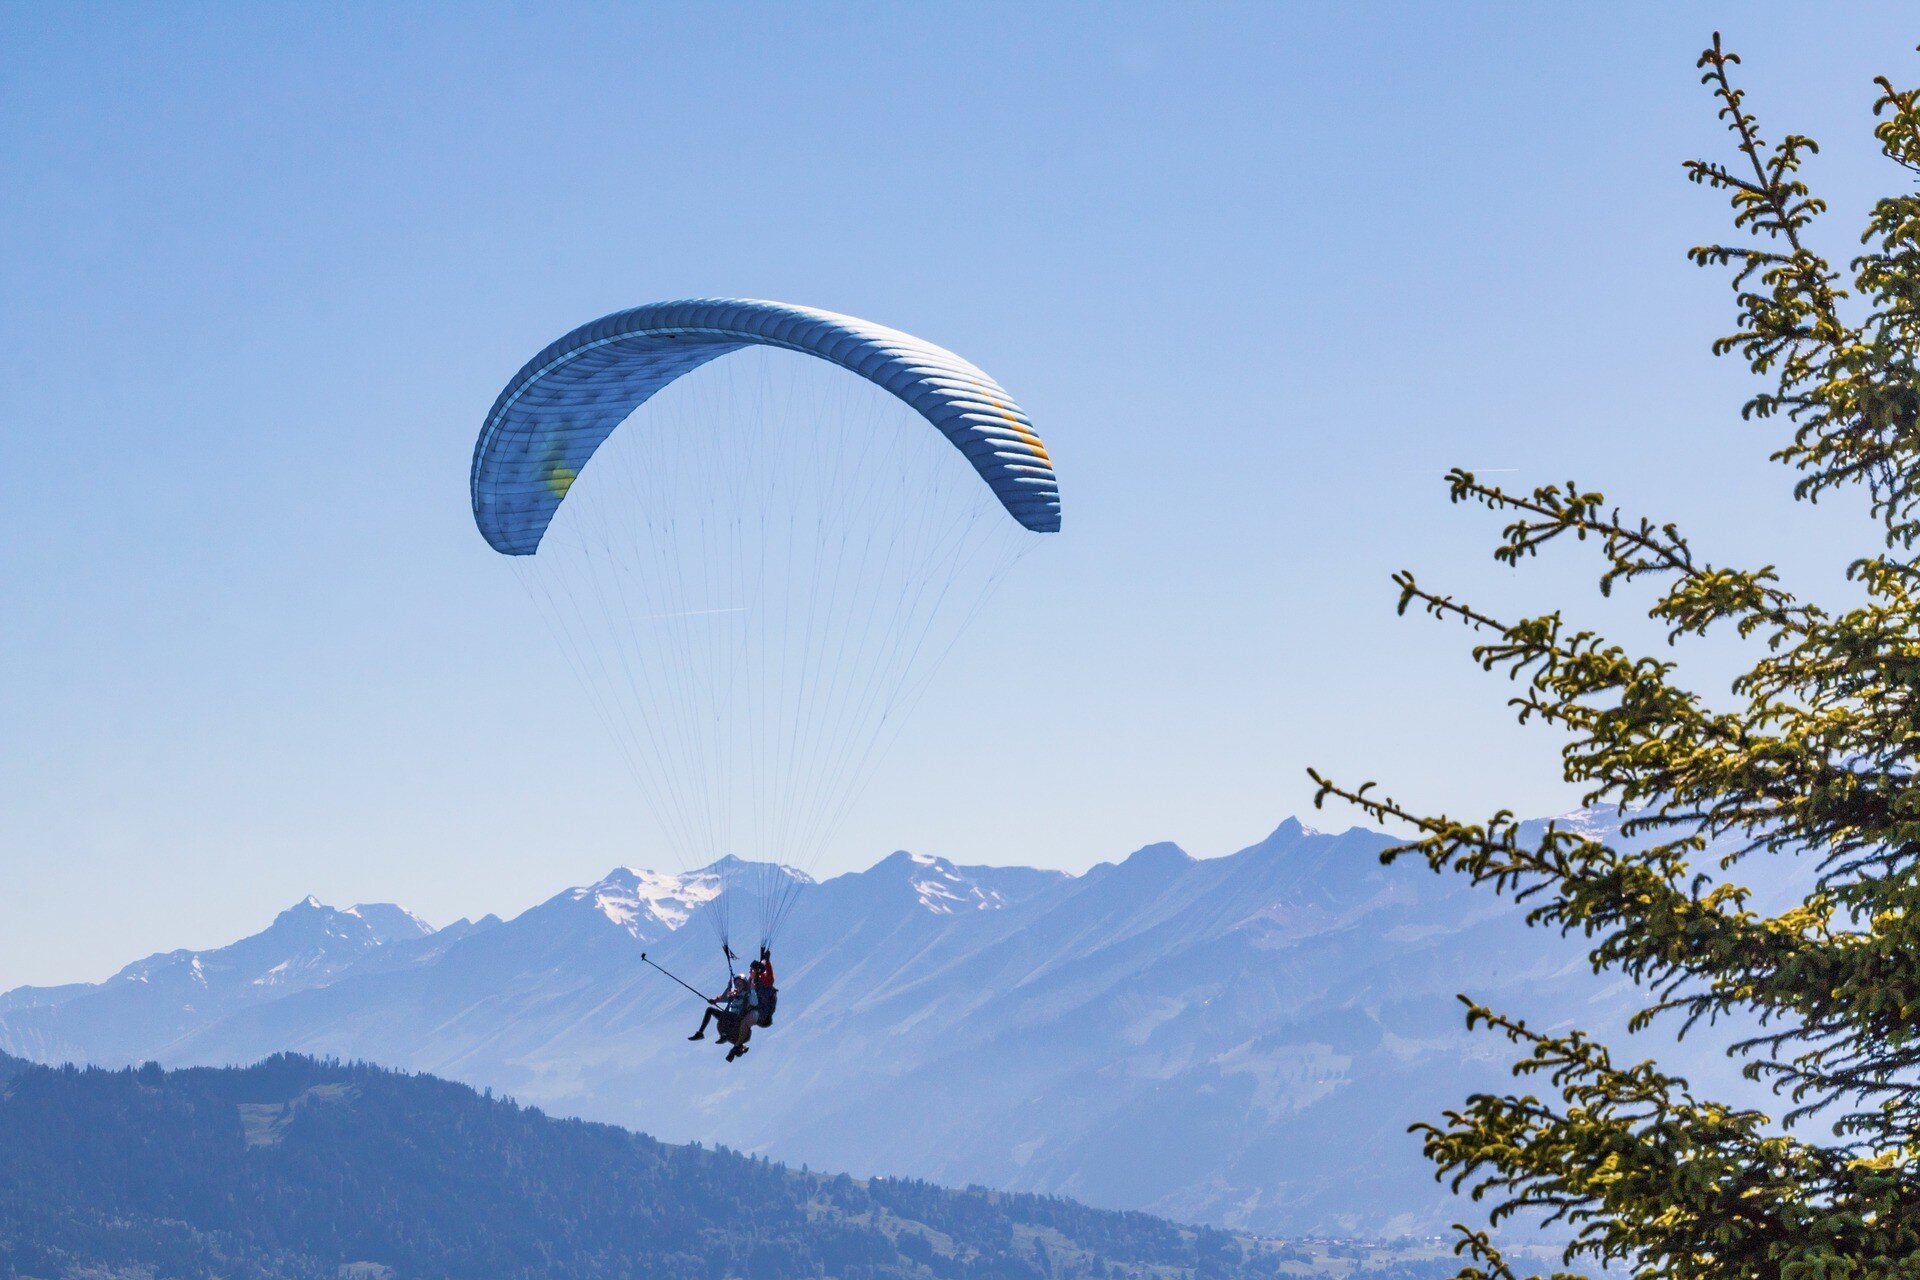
[298,1168]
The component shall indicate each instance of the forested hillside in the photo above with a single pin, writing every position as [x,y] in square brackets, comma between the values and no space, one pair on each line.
[299,1168]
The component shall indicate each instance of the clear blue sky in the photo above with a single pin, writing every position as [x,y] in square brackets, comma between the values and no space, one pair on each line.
[1260,273]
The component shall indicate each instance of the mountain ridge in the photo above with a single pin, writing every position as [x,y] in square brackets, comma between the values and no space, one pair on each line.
[1238,1040]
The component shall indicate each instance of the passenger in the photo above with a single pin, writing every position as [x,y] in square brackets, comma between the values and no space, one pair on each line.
[718,1008]
[736,1024]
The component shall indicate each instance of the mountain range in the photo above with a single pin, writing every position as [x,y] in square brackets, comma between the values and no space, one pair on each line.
[1239,1041]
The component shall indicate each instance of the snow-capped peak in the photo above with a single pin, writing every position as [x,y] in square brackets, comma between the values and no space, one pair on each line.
[1293,829]
[943,890]
[649,904]
[389,921]
[1586,822]
[632,897]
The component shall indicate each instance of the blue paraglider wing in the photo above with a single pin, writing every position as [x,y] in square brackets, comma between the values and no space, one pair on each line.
[567,400]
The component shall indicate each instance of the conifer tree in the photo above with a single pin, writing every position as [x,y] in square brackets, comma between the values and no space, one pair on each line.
[1816,755]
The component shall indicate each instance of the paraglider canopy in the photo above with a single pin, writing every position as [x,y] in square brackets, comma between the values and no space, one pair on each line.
[567,400]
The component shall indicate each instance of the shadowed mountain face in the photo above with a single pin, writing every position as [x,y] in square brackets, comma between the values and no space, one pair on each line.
[1238,1040]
